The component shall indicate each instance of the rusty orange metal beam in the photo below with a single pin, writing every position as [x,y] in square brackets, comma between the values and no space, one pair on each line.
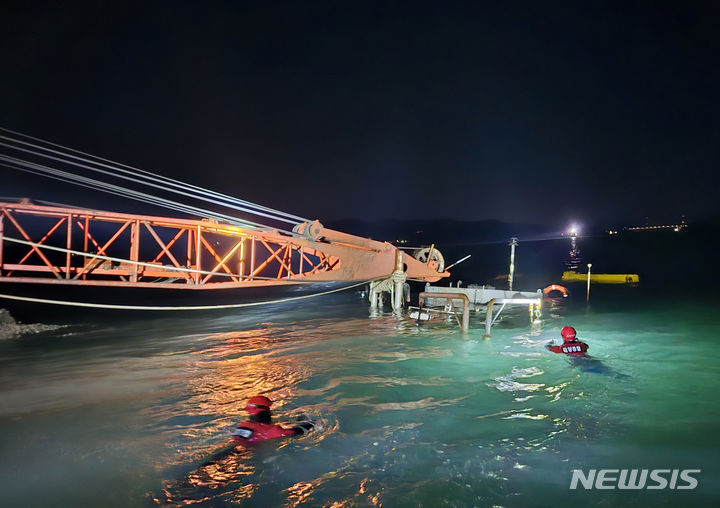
[217,258]
[223,262]
[170,243]
[42,240]
[164,248]
[34,248]
[101,250]
[320,254]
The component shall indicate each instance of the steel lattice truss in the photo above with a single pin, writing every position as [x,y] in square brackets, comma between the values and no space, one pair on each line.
[114,249]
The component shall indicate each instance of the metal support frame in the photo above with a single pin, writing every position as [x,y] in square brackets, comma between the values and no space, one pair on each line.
[449,297]
[489,317]
[148,251]
[534,306]
[392,285]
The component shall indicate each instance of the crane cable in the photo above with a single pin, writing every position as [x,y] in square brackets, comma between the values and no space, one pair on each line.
[135,180]
[141,173]
[56,174]
[68,303]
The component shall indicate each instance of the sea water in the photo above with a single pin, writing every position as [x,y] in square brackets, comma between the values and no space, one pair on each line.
[137,410]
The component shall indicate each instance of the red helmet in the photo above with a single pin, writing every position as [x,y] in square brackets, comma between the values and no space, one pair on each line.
[257,404]
[568,333]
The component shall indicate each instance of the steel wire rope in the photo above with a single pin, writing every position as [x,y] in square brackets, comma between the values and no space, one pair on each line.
[141,197]
[16,199]
[68,303]
[31,167]
[149,184]
[144,174]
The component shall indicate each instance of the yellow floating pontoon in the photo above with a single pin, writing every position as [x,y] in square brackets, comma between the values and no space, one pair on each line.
[602,278]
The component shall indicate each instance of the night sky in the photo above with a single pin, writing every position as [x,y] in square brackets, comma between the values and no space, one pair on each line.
[542,112]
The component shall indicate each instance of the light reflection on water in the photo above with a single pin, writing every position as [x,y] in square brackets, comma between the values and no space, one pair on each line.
[405,414]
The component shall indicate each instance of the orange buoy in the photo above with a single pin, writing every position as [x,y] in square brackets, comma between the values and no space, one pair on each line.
[556,287]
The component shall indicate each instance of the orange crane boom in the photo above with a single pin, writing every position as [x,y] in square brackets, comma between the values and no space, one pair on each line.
[75,246]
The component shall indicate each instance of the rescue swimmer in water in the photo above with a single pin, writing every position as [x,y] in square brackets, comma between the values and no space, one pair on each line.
[570,346]
[259,427]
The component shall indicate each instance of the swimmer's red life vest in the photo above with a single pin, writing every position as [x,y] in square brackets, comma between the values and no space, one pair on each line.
[253,432]
[571,348]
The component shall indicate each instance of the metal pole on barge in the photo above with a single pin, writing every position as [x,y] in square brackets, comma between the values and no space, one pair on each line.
[488,318]
[513,243]
[399,278]
[588,283]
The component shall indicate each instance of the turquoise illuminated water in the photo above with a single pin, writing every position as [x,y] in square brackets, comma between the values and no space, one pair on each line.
[128,413]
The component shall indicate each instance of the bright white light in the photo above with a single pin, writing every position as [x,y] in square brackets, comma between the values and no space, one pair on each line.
[574,229]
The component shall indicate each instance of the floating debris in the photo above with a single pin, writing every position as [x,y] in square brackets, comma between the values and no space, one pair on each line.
[11,329]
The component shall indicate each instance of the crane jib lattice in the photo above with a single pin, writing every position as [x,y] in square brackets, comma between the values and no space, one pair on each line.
[57,245]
